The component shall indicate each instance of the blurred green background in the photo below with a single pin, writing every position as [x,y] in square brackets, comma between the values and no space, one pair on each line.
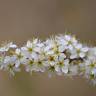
[21,20]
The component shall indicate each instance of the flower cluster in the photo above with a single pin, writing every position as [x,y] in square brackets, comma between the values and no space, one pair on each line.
[61,55]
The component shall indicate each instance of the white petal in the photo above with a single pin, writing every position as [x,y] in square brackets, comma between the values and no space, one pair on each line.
[74,40]
[50,52]
[85,49]
[63,42]
[17,63]
[70,47]
[52,63]
[34,55]
[82,55]
[66,62]
[18,51]
[68,37]
[13,46]
[94,71]
[24,48]
[65,70]
[73,56]
[29,44]
[35,41]
[7,59]
[62,56]
[4,49]
[79,46]
[57,68]
[62,48]
[37,49]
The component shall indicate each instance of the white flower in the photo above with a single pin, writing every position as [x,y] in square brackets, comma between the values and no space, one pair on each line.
[54,48]
[65,67]
[35,63]
[90,70]
[32,46]
[79,51]
[9,65]
[20,57]
[6,47]
[63,54]
[34,55]
[70,39]
[61,40]
[62,66]
[92,53]
[67,41]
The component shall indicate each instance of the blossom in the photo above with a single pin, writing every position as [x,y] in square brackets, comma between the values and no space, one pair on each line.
[66,40]
[92,53]
[33,53]
[79,51]
[35,64]
[20,58]
[90,70]
[61,55]
[6,47]
[9,65]
[62,66]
